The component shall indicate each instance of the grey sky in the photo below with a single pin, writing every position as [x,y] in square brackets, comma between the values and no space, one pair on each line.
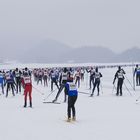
[110,23]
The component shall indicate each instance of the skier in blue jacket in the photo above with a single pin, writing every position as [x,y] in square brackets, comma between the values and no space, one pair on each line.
[9,81]
[72,93]
[2,81]
[137,73]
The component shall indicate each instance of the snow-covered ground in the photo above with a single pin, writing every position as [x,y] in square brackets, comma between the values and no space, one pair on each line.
[106,117]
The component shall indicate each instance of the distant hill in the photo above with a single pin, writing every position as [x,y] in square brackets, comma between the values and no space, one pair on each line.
[47,51]
[52,51]
[129,55]
[89,54]
[102,55]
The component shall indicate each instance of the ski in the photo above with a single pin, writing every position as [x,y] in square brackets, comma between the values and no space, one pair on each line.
[52,102]
[83,92]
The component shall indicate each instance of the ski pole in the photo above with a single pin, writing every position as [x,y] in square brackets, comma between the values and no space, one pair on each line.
[113,88]
[127,89]
[48,96]
[101,87]
[133,71]
[129,82]
[38,91]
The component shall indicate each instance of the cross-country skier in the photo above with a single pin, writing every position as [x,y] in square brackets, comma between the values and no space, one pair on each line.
[35,74]
[72,93]
[137,73]
[77,77]
[27,84]
[120,76]
[17,73]
[45,77]
[63,80]
[2,81]
[26,70]
[9,81]
[40,76]
[91,79]
[97,75]
[82,74]
[53,79]
[70,75]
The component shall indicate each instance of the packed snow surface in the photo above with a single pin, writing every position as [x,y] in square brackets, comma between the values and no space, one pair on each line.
[104,117]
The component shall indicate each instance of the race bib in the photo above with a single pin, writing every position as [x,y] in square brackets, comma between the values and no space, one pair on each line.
[120,75]
[27,80]
[72,86]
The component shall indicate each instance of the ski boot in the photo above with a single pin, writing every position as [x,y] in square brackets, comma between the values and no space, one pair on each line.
[25,104]
[74,119]
[91,95]
[68,120]
[31,104]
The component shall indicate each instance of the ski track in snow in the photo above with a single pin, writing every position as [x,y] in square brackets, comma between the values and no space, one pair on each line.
[106,117]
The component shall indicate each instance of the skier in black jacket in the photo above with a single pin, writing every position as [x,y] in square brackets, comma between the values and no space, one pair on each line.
[120,76]
[97,75]
[17,74]
[63,81]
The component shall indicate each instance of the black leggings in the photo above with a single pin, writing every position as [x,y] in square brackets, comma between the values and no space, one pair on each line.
[91,82]
[45,78]
[54,81]
[97,83]
[8,88]
[138,79]
[39,79]
[119,86]
[71,102]
[18,85]
[77,81]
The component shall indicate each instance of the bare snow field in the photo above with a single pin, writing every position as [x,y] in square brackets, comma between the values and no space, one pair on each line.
[104,117]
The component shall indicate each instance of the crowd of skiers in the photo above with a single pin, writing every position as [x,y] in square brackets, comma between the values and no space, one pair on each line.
[68,79]
[15,80]
[12,79]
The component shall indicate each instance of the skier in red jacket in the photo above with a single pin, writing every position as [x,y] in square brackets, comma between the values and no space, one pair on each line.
[27,84]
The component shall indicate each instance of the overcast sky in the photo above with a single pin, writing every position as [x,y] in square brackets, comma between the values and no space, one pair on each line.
[111,23]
